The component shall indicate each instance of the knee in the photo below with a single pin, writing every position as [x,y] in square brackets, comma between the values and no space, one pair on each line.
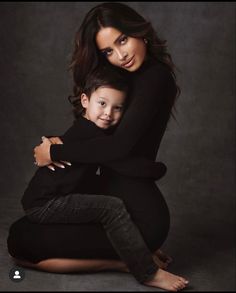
[115,211]
[116,204]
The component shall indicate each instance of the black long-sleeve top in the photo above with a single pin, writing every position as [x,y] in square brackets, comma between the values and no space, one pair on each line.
[46,184]
[141,128]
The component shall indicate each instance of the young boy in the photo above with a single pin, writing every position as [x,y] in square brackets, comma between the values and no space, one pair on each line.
[101,107]
[51,197]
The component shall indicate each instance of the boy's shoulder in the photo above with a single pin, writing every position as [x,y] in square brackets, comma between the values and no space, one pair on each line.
[82,128]
[83,123]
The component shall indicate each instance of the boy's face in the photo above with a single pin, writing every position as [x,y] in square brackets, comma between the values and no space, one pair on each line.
[105,106]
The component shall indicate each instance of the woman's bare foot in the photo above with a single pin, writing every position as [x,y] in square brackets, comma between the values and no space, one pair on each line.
[167,281]
[163,256]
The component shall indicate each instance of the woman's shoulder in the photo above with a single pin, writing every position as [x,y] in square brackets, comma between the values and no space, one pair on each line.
[153,66]
[153,69]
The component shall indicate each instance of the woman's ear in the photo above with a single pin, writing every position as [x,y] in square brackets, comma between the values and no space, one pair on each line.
[84,100]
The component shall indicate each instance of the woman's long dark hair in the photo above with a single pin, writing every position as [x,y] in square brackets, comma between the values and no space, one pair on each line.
[86,56]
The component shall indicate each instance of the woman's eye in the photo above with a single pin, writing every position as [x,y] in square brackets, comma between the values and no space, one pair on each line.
[107,52]
[123,40]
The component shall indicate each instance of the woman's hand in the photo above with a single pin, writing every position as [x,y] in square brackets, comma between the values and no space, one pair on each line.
[42,153]
[57,140]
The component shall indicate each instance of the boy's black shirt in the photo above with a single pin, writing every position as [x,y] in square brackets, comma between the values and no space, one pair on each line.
[46,183]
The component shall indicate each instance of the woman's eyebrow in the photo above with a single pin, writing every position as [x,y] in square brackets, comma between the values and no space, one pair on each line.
[116,41]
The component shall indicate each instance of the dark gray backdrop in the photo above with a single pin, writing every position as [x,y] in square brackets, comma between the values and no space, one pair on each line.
[36,40]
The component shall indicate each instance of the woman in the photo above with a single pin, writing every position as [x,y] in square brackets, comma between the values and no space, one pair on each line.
[115,34]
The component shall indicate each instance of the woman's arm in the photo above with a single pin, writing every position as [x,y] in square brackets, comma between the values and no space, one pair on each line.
[57,140]
[150,90]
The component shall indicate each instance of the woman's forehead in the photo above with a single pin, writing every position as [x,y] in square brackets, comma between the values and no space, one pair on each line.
[107,36]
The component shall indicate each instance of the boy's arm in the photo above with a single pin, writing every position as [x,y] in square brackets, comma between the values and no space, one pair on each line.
[45,183]
[81,129]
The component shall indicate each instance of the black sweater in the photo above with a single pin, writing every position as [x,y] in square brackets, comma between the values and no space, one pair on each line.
[47,184]
[141,128]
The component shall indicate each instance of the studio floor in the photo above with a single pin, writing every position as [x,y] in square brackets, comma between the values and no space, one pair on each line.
[205,256]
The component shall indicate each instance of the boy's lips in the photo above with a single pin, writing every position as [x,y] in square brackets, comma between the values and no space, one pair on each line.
[106,120]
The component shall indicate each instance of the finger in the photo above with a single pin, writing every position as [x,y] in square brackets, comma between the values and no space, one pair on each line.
[56,140]
[53,140]
[51,167]
[67,163]
[58,165]
[45,139]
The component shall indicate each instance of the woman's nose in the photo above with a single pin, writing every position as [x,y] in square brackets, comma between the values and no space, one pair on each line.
[121,55]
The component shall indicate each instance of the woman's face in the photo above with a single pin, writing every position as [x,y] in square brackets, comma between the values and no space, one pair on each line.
[121,50]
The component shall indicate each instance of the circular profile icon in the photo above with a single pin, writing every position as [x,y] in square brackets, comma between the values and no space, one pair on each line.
[16,274]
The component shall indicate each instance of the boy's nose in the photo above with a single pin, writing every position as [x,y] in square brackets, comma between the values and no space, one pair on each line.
[108,112]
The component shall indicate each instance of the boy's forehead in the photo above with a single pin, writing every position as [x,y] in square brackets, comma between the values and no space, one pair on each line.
[109,93]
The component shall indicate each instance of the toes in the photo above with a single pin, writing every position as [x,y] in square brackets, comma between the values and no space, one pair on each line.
[176,287]
[183,280]
[179,285]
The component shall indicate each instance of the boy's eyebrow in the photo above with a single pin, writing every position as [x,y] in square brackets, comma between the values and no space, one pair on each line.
[100,97]
[116,41]
[122,103]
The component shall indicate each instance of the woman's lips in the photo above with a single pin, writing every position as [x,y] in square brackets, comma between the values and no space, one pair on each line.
[129,63]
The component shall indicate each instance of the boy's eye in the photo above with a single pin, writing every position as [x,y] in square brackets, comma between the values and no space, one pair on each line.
[102,103]
[119,108]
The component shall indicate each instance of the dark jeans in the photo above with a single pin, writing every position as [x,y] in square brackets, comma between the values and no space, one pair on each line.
[111,213]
